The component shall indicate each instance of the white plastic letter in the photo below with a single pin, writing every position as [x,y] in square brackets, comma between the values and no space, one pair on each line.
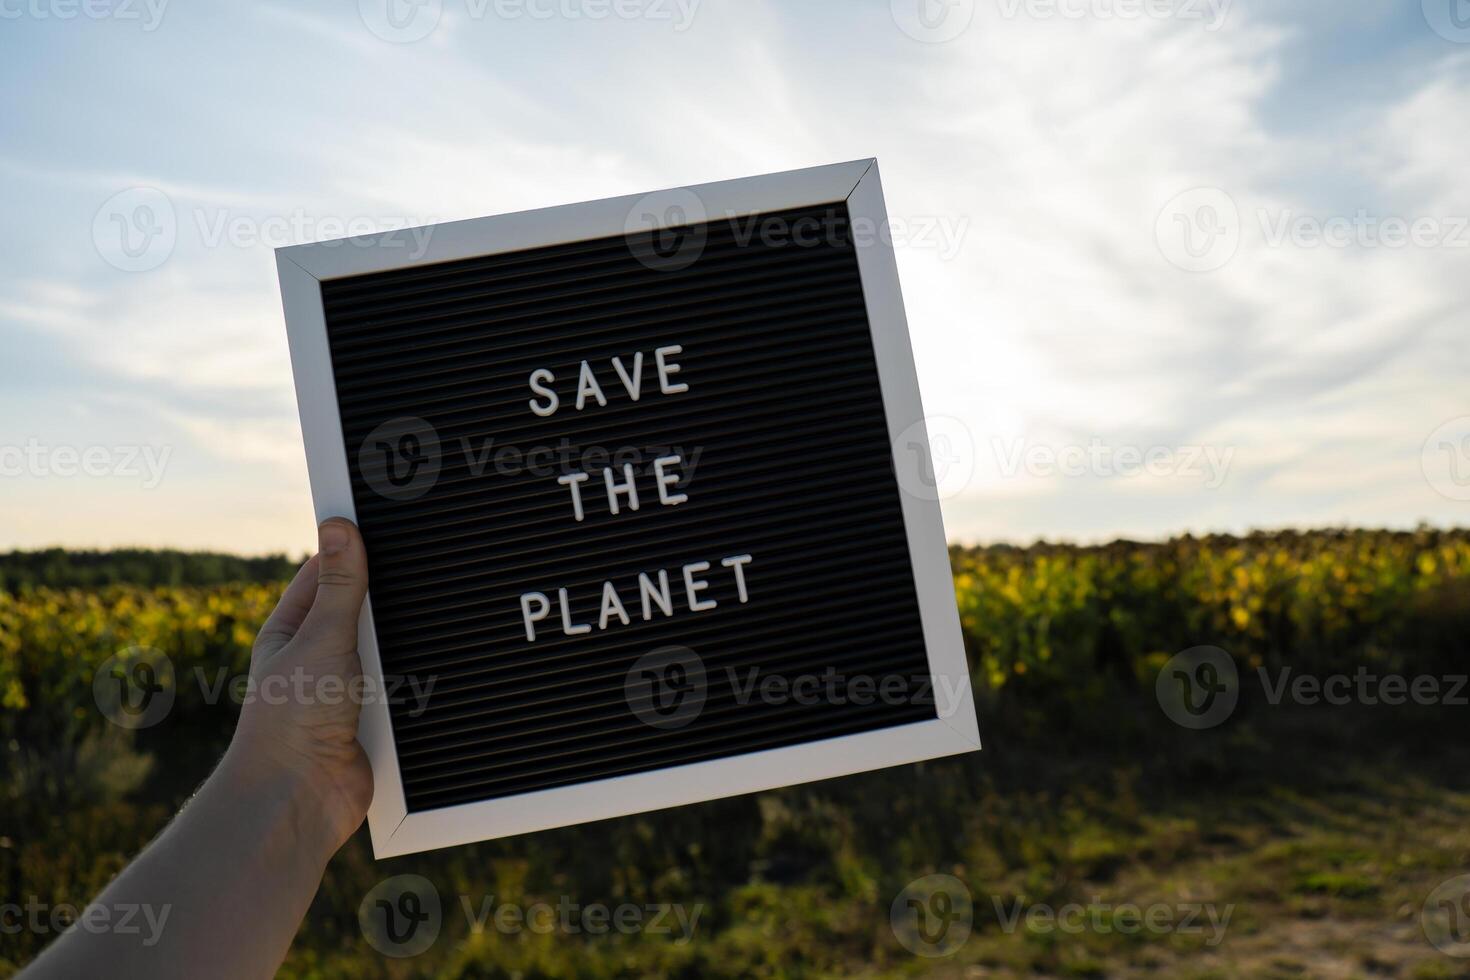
[659,596]
[666,480]
[634,384]
[566,617]
[575,481]
[539,379]
[665,369]
[531,618]
[613,488]
[692,587]
[587,385]
[738,563]
[611,606]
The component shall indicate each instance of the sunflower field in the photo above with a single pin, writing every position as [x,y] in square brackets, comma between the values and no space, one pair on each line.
[1083,786]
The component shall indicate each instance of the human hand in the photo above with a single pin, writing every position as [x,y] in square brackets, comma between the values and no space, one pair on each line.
[306,677]
[291,789]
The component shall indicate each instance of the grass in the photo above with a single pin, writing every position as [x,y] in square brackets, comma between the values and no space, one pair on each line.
[1327,882]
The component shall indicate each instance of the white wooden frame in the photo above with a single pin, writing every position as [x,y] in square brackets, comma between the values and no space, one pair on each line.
[302,268]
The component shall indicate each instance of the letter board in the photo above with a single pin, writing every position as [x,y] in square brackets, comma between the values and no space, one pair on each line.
[647,499]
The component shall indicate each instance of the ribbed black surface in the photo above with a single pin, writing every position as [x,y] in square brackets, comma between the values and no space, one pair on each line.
[793,468]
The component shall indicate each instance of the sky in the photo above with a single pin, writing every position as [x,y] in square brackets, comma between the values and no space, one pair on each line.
[1169,265]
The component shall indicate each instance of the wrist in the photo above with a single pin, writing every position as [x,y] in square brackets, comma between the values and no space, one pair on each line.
[298,812]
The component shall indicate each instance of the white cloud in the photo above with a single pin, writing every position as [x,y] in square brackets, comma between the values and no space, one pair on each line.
[1051,144]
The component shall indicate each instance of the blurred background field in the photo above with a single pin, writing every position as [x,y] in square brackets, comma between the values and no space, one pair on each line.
[1324,827]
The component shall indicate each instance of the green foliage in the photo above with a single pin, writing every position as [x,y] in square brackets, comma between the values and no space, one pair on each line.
[1054,625]
[57,568]
[1082,784]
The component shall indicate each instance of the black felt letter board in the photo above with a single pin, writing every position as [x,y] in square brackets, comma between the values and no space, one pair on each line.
[784,458]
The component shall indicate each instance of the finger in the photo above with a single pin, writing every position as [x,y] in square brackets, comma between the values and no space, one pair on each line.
[290,612]
[341,584]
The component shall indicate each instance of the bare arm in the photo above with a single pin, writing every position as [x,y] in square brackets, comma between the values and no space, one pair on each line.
[224,888]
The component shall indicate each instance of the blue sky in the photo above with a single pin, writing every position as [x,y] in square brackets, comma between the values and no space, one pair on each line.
[1049,160]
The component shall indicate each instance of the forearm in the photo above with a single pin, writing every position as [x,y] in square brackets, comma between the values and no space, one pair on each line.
[225,886]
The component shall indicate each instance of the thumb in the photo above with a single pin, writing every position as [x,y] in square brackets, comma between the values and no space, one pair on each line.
[341,584]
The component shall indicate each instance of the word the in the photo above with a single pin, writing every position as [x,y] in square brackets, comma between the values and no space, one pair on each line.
[663,478]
